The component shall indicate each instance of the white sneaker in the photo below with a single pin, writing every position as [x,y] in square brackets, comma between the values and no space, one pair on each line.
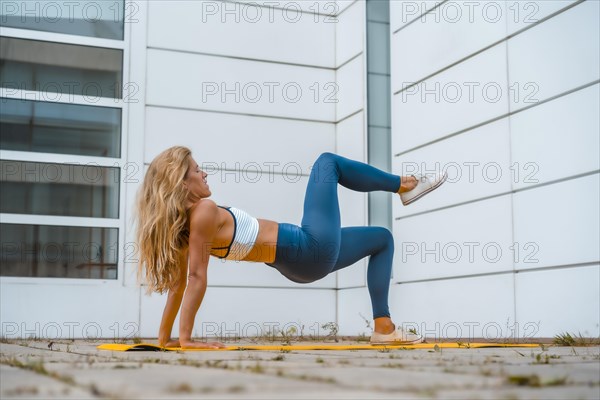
[396,337]
[425,184]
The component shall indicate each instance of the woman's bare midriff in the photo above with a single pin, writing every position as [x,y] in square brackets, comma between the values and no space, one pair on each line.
[265,244]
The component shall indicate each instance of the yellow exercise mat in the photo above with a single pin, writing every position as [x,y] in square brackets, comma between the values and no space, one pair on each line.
[448,345]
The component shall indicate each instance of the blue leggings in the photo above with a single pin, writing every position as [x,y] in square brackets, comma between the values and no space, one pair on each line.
[320,246]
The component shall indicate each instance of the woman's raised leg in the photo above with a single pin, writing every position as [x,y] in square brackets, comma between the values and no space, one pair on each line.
[321,219]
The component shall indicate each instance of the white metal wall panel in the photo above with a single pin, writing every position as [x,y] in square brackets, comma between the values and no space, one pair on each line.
[355,311]
[402,12]
[242,30]
[349,33]
[222,140]
[194,81]
[558,224]
[88,311]
[470,239]
[466,307]
[557,301]
[557,139]
[467,94]
[341,5]
[321,7]
[525,14]
[446,40]
[350,95]
[350,137]
[555,56]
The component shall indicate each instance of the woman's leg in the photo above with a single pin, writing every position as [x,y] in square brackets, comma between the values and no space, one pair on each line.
[321,219]
[362,241]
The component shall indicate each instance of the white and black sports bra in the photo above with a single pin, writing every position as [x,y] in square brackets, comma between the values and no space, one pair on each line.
[245,232]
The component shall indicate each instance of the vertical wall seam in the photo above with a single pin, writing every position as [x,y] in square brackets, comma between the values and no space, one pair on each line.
[510,161]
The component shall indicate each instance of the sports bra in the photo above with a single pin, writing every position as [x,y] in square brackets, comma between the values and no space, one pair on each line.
[245,231]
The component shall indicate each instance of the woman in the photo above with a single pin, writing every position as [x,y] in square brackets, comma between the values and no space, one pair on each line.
[178,225]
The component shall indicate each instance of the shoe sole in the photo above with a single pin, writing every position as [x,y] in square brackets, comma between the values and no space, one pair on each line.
[417,197]
[399,342]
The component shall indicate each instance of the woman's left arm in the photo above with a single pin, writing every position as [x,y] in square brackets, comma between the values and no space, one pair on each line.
[174,300]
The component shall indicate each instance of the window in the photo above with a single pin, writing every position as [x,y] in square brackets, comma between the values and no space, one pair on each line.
[60,128]
[62,66]
[63,69]
[59,189]
[100,18]
[59,251]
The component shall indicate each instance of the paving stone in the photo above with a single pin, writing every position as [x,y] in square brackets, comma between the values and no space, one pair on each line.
[365,374]
[19,383]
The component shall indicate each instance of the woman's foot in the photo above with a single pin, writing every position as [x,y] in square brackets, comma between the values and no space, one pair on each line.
[398,336]
[424,184]
[386,333]
[407,183]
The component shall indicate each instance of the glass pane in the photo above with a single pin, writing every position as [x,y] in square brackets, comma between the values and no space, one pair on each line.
[59,251]
[59,189]
[103,19]
[378,10]
[379,104]
[60,128]
[378,111]
[64,69]
[378,48]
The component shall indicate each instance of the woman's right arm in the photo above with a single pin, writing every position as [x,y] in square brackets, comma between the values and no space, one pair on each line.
[203,226]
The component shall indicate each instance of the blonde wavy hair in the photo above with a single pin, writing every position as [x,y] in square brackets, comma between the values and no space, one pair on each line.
[161,219]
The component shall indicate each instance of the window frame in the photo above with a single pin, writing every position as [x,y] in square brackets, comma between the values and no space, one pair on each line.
[125,252]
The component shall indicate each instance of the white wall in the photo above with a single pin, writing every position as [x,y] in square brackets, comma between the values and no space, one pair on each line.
[241,138]
[523,173]
[523,166]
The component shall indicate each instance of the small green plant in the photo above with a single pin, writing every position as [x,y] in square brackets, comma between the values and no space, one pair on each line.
[535,381]
[367,321]
[279,357]
[319,360]
[288,334]
[524,380]
[121,366]
[568,339]
[564,339]
[137,340]
[393,365]
[333,330]
[362,337]
[3,339]
[542,358]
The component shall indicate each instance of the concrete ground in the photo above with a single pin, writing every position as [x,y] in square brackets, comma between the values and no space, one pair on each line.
[76,369]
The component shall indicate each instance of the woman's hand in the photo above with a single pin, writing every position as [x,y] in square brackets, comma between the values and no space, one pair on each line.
[202,345]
